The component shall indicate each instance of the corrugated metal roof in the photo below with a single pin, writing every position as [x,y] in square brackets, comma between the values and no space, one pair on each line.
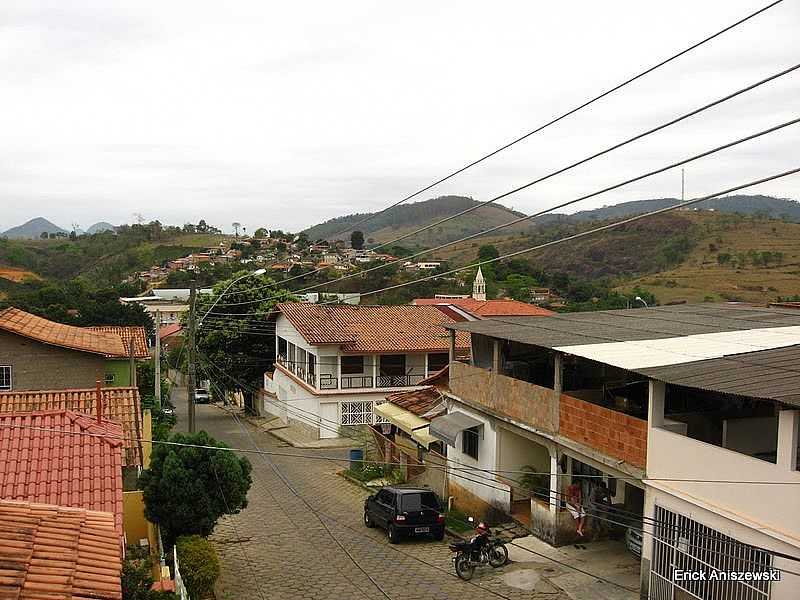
[767,374]
[574,329]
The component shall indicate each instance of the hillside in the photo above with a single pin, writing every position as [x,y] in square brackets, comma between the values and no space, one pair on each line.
[33,229]
[408,217]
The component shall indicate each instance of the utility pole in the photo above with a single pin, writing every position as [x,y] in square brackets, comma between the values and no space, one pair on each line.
[191,374]
[157,356]
[132,359]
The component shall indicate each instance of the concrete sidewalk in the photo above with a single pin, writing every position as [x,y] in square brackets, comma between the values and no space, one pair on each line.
[538,564]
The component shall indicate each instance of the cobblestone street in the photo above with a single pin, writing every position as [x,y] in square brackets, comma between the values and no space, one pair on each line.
[278,549]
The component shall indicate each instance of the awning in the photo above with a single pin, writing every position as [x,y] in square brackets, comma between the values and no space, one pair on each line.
[407,421]
[447,427]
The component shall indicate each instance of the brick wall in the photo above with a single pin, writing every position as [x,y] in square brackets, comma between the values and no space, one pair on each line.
[608,431]
[38,366]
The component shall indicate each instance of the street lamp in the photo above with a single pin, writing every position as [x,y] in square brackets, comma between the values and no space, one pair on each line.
[640,299]
[257,273]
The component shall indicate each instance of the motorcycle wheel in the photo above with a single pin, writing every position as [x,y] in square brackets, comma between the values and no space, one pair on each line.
[498,555]
[464,570]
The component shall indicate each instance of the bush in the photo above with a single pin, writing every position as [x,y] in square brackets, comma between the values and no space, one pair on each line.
[136,577]
[198,564]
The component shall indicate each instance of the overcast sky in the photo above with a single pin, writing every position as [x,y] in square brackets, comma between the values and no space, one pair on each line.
[285,114]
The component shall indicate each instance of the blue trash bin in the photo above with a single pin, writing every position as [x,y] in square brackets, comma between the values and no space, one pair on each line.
[356,459]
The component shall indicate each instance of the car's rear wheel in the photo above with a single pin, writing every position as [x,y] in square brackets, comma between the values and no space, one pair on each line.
[367,521]
[392,534]
[438,534]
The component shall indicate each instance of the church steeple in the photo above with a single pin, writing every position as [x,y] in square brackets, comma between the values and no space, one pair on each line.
[479,286]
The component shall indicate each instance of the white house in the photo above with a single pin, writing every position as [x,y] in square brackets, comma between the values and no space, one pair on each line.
[334,362]
[690,414]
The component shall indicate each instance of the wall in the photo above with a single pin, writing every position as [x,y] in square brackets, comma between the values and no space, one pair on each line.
[121,368]
[612,433]
[773,507]
[37,366]
[524,402]
[750,436]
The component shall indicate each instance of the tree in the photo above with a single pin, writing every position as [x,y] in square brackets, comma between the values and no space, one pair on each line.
[260,233]
[136,577]
[487,252]
[199,565]
[236,225]
[186,489]
[357,240]
[235,349]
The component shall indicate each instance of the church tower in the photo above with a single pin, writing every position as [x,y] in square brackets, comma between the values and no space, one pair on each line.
[479,287]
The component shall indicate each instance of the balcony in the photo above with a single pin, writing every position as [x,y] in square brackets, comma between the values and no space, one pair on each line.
[328,381]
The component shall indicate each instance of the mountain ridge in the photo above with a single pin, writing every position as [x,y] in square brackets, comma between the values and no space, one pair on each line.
[33,229]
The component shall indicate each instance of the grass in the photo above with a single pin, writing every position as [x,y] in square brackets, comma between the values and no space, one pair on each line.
[457,521]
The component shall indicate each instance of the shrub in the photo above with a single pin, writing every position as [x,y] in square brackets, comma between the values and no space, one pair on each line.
[199,565]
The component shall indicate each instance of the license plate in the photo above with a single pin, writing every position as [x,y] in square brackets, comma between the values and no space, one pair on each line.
[422,529]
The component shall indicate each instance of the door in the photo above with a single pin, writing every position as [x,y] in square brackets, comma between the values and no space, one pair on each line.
[385,507]
[329,420]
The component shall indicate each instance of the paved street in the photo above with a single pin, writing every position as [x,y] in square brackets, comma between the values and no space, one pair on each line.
[277,548]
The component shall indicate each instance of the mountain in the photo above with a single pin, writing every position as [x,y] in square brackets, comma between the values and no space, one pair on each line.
[408,217]
[100,227]
[33,229]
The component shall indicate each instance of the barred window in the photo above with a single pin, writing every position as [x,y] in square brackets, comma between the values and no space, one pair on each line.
[5,377]
[357,413]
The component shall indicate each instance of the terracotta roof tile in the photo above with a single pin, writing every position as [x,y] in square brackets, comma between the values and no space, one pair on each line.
[363,329]
[488,308]
[127,333]
[36,328]
[51,552]
[168,330]
[120,404]
[81,467]
[426,403]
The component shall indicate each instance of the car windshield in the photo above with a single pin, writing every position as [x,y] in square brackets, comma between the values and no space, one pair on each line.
[418,501]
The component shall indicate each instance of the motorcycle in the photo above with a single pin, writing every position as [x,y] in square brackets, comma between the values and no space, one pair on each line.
[469,555]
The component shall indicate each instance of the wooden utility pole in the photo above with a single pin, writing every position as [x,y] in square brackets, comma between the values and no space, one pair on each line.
[191,373]
[132,358]
[157,356]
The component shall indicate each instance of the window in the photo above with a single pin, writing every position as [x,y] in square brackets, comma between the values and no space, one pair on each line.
[281,346]
[357,413]
[469,440]
[5,377]
[386,497]
[311,364]
[424,500]
[393,364]
[352,365]
[109,378]
[438,361]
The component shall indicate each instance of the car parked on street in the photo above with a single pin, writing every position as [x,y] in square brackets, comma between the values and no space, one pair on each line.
[201,396]
[405,511]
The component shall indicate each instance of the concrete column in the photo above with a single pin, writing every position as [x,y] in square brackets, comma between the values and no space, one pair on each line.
[558,374]
[788,437]
[374,370]
[452,345]
[555,486]
[655,404]
[338,371]
[496,356]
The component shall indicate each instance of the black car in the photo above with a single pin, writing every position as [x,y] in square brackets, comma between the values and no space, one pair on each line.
[405,511]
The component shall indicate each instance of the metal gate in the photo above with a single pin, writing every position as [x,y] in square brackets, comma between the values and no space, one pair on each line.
[682,545]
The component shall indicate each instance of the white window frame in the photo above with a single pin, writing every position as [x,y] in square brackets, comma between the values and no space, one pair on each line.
[10,386]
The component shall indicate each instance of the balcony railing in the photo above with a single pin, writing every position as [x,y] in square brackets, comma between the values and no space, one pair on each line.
[398,380]
[356,381]
[329,381]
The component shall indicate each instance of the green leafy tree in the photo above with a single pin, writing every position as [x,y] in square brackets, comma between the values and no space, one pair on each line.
[187,489]
[357,240]
[487,252]
[199,565]
[136,577]
[233,351]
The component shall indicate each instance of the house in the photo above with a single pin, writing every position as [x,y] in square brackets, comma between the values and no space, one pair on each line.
[118,370]
[171,303]
[171,335]
[333,362]
[36,353]
[62,457]
[658,403]
[49,551]
[466,308]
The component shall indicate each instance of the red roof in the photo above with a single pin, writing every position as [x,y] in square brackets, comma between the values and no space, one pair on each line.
[427,403]
[363,329]
[82,339]
[128,333]
[488,308]
[120,404]
[63,458]
[168,330]
[54,552]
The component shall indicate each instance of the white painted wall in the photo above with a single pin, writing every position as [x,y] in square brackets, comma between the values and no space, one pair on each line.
[487,459]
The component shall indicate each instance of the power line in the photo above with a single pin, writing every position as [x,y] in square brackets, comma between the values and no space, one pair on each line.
[561,117]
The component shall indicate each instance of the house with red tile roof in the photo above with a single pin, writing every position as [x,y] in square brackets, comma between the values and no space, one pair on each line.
[49,551]
[476,307]
[120,405]
[118,370]
[38,354]
[64,458]
[333,362]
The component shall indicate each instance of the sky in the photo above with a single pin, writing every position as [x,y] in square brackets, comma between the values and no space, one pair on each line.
[283,115]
